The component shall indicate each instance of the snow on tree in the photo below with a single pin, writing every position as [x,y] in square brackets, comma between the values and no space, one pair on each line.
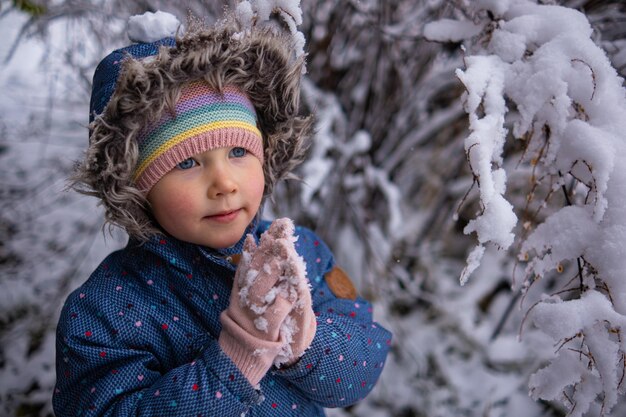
[282,14]
[570,106]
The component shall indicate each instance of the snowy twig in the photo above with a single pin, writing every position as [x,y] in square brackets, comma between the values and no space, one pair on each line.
[580,123]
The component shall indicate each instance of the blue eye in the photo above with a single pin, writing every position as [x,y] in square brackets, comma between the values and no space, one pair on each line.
[187,163]
[238,152]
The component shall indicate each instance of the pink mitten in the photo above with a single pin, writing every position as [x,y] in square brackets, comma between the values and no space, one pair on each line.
[261,298]
[298,329]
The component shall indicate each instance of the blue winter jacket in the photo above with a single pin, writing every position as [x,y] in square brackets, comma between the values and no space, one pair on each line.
[139,338]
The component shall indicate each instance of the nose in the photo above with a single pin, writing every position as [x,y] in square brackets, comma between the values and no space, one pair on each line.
[221,181]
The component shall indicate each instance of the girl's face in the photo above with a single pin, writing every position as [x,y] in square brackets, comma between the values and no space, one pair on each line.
[210,198]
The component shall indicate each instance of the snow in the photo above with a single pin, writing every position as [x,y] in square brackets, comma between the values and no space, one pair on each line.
[150,27]
[562,319]
[565,235]
[542,60]
[393,196]
[261,324]
[595,144]
[288,329]
[543,24]
[318,166]
[580,317]
[473,262]
[484,80]
[550,381]
[262,13]
[450,30]
[509,46]
[244,13]
[506,350]
[497,7]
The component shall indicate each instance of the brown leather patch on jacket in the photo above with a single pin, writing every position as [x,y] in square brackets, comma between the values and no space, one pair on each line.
[234,259]
[340,284]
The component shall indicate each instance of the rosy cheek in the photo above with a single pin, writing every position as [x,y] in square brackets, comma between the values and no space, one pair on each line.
[259,187]
[174,205]
[180,203]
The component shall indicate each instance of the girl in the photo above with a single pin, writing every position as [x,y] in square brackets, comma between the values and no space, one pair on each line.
[207,311]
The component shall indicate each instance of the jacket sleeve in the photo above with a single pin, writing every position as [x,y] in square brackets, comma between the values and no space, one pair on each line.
[349,350]
[101,374]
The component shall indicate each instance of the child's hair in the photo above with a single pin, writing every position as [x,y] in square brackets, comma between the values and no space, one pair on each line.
[133,86]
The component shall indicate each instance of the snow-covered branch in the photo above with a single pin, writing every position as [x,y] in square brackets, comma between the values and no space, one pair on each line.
[538,66]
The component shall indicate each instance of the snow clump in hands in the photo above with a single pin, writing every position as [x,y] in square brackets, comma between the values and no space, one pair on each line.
[276,257]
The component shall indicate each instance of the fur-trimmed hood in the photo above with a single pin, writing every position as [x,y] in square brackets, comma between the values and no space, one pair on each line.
[259,61]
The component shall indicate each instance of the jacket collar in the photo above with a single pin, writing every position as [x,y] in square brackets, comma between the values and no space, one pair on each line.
[163,245]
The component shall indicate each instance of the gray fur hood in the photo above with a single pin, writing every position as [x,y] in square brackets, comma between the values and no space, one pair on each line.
[259,61]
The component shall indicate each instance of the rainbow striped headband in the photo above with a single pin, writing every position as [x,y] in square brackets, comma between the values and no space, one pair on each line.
[204,119]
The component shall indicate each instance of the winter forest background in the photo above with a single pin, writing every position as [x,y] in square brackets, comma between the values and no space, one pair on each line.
[481,141]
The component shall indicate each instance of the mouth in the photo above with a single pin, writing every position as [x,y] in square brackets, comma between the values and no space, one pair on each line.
[224,216]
